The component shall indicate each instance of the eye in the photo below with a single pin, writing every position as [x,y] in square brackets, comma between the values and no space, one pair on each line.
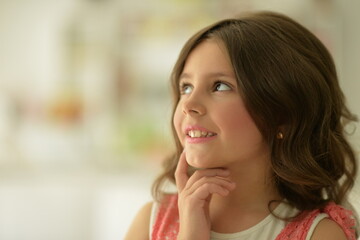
[220,86]
[185,88]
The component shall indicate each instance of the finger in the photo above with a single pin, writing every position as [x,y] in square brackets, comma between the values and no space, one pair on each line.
[181,176]
[208,189]
[223,183]
[213,172]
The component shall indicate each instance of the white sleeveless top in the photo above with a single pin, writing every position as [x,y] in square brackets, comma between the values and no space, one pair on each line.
[266,229]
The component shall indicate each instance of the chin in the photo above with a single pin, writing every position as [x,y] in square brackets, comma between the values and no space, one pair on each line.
[200,162]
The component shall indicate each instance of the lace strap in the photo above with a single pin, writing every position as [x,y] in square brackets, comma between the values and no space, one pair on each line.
[299,228]
[166,224]
[344,217]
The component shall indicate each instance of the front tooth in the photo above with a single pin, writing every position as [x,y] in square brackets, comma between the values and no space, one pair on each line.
[197,134]
[192,134]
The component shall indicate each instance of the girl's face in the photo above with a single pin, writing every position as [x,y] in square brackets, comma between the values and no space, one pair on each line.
[211,120]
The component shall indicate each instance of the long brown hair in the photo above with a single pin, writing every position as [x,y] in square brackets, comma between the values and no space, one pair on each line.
[288,81]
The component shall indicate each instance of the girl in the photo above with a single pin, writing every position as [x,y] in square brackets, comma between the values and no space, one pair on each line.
[259,127]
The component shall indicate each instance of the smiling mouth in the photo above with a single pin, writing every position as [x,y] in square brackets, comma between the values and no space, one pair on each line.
[200,134]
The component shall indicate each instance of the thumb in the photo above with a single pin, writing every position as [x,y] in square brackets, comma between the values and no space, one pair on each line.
[181,176]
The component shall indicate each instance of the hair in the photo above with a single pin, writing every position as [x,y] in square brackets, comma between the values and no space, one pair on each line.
[288,81]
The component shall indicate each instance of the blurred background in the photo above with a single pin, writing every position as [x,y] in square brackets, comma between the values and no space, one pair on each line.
[85,104]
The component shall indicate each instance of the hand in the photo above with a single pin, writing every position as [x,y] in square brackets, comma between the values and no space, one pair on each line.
[194,197]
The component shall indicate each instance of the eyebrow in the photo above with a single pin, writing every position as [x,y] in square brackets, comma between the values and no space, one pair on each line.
[213,74]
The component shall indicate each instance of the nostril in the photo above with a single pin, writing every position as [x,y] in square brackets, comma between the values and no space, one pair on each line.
[200,110]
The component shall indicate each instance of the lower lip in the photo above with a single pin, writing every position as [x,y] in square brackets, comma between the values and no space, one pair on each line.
[199,140]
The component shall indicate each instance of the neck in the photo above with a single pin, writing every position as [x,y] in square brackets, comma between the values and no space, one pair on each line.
[249,202]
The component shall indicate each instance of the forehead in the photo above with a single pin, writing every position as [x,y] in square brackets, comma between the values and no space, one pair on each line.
[208,57]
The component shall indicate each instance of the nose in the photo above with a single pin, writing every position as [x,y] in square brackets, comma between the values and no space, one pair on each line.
[193,105]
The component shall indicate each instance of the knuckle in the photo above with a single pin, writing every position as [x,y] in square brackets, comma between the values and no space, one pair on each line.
[196,174]
[208,185]
[206,178]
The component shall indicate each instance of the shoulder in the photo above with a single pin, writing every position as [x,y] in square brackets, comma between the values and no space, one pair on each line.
[139,228]
[329,230]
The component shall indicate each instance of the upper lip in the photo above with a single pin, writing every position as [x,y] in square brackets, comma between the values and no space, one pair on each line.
[198,128]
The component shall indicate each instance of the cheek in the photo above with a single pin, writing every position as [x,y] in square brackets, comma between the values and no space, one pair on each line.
[177,120]
[239,123]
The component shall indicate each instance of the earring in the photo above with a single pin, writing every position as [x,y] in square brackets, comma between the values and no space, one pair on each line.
[280,135]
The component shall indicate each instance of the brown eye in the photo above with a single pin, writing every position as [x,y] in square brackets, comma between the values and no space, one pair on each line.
[220,86]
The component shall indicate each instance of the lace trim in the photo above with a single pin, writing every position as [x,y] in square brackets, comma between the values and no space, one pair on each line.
[298,229]
[344,218]
[166,226]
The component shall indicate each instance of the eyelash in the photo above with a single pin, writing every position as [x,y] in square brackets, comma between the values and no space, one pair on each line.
[184,85]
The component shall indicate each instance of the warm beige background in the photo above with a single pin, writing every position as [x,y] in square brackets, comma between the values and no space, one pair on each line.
[84,102]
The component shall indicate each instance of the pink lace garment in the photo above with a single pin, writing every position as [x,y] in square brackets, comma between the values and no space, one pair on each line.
[166,226]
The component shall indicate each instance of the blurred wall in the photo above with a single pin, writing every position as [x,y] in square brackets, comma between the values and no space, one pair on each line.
[85,105]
